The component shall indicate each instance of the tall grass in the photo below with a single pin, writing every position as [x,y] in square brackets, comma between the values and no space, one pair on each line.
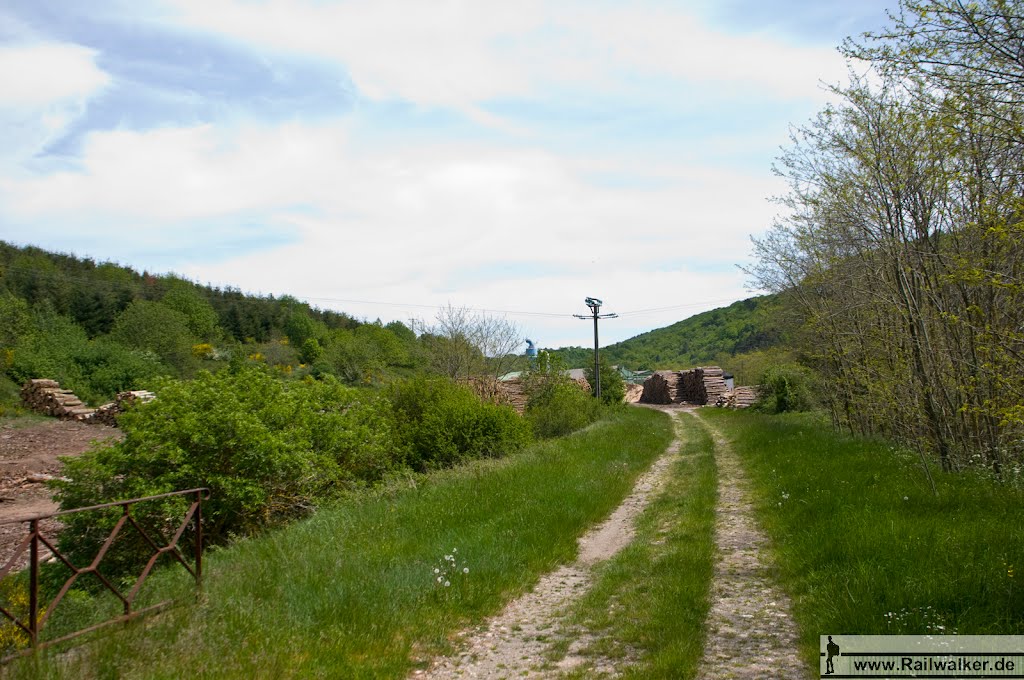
[352,592]
[864,546]
[649,603]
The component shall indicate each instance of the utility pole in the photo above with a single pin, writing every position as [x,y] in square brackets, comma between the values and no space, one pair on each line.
[595,308]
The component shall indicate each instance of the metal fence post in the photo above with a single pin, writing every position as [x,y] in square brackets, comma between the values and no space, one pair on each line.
[33,585]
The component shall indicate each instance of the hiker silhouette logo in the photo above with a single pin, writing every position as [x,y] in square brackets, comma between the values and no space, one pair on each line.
[833,650]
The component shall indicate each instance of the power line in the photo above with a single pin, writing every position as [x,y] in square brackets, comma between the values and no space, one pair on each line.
[653,310]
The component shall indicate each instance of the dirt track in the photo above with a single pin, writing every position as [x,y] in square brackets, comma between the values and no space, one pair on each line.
[32,450]
[514,643]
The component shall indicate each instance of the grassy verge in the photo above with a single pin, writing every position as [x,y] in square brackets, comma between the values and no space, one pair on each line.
[864,547]
[649,602]
[352,592]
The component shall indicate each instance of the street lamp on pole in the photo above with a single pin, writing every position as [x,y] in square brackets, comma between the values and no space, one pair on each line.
[595,309]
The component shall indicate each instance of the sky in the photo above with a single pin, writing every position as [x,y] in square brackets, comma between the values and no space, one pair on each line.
[385,158]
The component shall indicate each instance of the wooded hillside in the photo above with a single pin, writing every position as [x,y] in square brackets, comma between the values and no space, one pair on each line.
[100,329]
[725,336]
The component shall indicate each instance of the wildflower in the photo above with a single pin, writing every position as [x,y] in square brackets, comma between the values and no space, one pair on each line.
[436,570]
[465,570]
[906,498]
[447,584]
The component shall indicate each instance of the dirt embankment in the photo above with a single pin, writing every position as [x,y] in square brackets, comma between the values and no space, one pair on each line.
[31,453]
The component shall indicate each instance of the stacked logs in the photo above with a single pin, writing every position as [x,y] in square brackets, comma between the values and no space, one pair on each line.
[107,414]
[510,392]
[633,393]
[742,397]
[513,393]
[46,396]
[661,388]
[504,392]
[695,386]
[703,385]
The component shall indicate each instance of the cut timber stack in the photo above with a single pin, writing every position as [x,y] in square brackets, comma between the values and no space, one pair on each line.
[46,396]
[661,388]
[107,414]
[508,392]
[511,392]
[714,384]
[696,386]
[742,397]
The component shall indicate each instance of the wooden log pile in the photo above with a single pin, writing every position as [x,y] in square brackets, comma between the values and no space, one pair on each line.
[661,388]
[744,396]
[704,385]
[107,414]
[46,396]
[511,392]
[508,392]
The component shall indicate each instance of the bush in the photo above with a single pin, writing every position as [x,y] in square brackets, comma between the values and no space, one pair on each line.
[786,387]
[444,424]
[613,388]
[559,407]
[157,328]
[95,370]
[267,450]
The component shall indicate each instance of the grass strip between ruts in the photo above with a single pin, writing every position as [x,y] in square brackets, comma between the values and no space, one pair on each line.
[647,609]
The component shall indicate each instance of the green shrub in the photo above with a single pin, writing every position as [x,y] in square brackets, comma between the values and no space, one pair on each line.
[266,449]
[786,387]
[95,370]
[157,328]
[613,388]
[444,424]
[559,407]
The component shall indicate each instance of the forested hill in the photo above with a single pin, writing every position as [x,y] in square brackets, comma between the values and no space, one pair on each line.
[716,336]
[94,294]
[100,328]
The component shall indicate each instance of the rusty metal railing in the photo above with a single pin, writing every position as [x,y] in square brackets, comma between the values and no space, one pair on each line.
[34,539]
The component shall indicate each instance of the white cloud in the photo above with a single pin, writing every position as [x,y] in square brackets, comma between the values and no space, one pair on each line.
[35,76]
[460,54]
[440,216]
[45,88]
[481,225]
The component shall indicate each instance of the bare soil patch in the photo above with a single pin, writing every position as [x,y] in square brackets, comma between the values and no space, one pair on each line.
[32,452]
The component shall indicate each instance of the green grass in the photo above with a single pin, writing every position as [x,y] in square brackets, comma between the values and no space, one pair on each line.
[351,591]
[12,411]
[863,545]
[650,601]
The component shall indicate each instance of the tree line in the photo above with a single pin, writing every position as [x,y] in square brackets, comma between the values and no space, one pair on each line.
[901,245]
[100,328]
